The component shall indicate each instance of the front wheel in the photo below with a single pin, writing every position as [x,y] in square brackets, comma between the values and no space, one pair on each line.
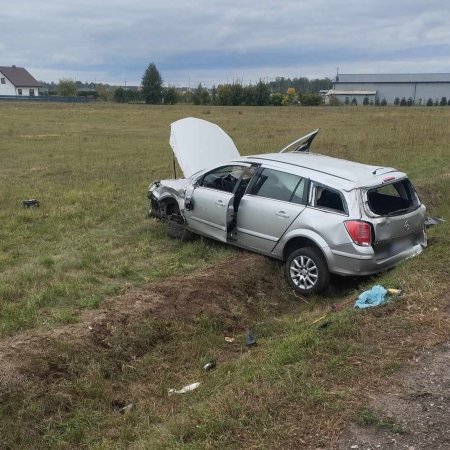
[306,271]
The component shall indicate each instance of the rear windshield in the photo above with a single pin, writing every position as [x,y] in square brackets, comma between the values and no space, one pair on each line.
[392,199]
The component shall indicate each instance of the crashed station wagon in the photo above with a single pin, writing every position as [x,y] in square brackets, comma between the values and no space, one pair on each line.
[318,214]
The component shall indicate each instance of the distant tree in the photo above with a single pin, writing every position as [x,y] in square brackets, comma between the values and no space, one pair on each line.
[347,101]
[366,101]
[196,95]
[235,97]
[276,99]
[448,103]
[396,101]
[436,102]
[290,97]
[67,88]
[410,101]
[104,92]
[403,101]
[354,101]
[119,95]
[262,93]
[371,103]
[223,93]
[214,95]
[170,96]
[249,95]
[443,101]
[377,100]
[383,102]
[311,99]
[430,102]
[205,98]
[334,101]
[152,85]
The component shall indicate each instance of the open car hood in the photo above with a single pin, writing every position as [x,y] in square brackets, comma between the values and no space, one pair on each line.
[199,144]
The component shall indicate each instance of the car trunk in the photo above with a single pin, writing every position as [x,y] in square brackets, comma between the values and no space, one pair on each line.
[397,217]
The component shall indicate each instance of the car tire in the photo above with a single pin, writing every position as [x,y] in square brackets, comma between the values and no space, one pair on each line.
[307,271]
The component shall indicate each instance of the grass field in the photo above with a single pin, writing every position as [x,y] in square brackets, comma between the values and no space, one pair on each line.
[89,166]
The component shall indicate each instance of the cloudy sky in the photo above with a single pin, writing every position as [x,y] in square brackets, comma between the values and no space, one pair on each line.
[212,41]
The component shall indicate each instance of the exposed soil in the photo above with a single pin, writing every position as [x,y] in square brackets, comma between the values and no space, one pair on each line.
[412,412]
[232,290]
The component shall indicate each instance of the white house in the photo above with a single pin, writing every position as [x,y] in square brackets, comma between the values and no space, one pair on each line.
[18,81]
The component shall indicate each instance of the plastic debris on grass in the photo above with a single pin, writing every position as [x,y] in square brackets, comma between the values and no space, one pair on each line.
[183,390]
[376,296]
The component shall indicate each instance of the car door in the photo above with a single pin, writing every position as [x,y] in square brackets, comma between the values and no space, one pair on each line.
[265,212]
[211,207]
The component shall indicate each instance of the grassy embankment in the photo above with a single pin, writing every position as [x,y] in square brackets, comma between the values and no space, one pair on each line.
[89,166]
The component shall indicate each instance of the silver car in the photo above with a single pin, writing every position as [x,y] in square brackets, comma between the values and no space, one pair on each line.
[318,214]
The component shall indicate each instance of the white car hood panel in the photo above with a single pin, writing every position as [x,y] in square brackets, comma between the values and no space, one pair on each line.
[199,144]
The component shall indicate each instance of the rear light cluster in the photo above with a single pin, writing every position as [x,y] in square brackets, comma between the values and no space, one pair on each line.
[359,231]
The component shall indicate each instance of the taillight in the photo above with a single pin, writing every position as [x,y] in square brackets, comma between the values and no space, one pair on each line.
[359,231]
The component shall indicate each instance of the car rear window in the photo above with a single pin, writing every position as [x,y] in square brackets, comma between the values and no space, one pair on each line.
[392,199]
[280,186]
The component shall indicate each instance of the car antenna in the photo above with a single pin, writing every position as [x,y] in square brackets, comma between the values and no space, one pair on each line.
[304,146]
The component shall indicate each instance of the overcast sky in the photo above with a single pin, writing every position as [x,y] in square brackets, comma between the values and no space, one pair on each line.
[213,41]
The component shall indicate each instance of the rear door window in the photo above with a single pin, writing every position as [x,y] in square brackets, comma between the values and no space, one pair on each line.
[280,186]
[393,198]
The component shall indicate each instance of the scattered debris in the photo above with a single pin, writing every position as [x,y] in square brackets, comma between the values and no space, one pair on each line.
[376,296]
[394,292]
[250,338]
[319,319]
[325,324]
[373,297]
[432,221]
[126,408]
[228,339]
[121,406]
[209,365]
[336,307]
[31,203]
[183,390]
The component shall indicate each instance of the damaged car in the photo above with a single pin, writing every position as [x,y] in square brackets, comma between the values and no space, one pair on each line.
[319,215]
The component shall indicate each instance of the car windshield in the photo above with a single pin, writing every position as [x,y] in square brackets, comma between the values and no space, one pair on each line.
[393,199]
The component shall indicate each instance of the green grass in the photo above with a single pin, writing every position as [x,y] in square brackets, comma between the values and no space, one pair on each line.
[90,165]
[368,417]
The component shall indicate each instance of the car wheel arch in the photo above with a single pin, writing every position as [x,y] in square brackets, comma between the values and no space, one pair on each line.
[298,242]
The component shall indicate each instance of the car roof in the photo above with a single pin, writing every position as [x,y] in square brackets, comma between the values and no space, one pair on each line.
[326,169]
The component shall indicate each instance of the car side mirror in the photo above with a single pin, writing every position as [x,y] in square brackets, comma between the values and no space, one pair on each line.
[189,204]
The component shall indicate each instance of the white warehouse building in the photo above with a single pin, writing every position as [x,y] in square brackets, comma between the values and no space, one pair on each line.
[419,87]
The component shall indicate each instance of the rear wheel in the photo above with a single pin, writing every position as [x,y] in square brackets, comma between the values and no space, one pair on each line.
[306,271]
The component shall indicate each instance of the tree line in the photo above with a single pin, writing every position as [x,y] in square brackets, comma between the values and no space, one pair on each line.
[282,91]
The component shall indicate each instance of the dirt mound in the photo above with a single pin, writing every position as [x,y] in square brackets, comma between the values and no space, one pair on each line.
[232,290]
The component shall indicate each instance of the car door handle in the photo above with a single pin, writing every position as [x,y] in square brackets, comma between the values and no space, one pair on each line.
[282,214]
[220,203]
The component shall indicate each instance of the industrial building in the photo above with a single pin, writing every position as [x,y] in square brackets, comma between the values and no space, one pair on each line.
[418,87]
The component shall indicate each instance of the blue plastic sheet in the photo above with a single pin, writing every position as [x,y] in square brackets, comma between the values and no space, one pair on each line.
[374,297]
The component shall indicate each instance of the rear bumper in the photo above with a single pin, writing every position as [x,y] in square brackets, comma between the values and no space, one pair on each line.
[366,264]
